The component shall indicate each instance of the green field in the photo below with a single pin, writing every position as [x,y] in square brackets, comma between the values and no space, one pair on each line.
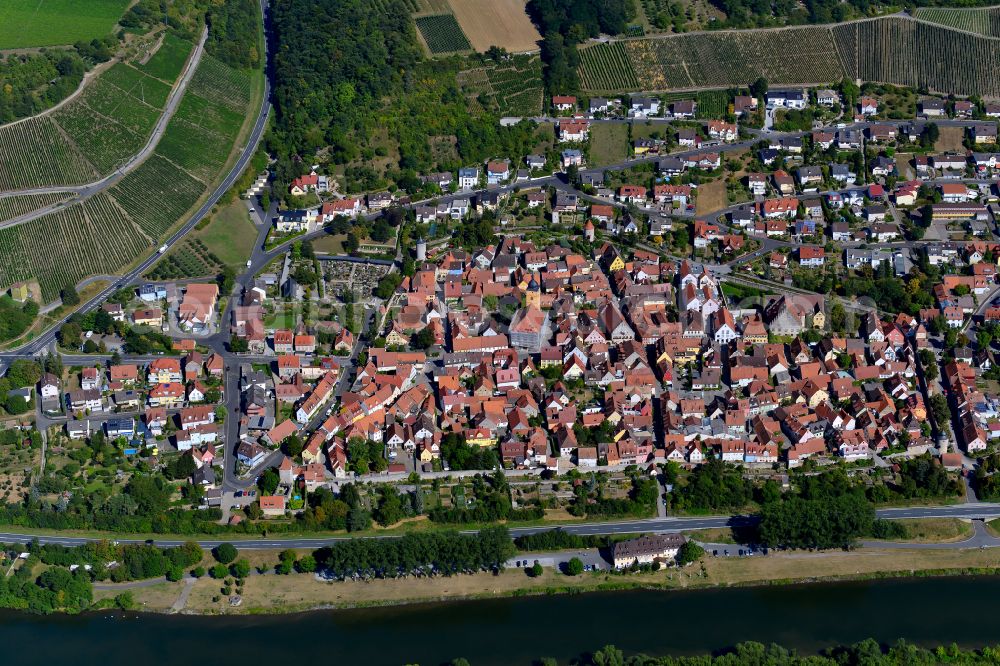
[26,23]
[227,240]
[981,20]
[510,88]
[230,234]
[168,61]
[442,34]
[608,144]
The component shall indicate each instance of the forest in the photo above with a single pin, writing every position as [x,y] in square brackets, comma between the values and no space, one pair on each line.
[868,652]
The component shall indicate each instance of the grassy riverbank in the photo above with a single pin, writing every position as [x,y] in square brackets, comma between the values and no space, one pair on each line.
[300,592]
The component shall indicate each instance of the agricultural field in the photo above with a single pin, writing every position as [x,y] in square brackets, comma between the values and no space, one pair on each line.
[94,238]
[735,58]
[890,50]
[191,258]
[980,20]
[502,23]
[96,132]
[156,194]
[168,61]
[110,230]
[36,152]
[607,67]
[510,88]
[894,50]
[26,24]
[225,239]
[11,207]
[442,34]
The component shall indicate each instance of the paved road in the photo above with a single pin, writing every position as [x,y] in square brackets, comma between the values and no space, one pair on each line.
[980,538]
[659,525]
[88,190]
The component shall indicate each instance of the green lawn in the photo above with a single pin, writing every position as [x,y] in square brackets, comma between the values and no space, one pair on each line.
[333,244]
[26,23]
[608,143]
[230,234]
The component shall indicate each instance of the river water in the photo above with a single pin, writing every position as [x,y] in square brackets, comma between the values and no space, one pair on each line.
[927,611]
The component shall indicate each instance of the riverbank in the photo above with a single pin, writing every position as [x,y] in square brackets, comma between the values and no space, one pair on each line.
[274,594]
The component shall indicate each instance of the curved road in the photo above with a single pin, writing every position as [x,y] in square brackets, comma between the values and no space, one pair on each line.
[86,191]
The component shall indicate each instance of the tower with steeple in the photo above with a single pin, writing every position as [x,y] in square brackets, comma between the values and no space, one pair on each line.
[533,294]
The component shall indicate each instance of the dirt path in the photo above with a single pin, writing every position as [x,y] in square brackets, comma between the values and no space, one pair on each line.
[87,77]
[182,600]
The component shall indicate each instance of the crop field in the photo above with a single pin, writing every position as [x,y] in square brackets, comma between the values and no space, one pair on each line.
[156,194]
[168,61]
[216,81]
[502,23]
[442,34]
[513,88]
[607,67]
[36,152]
[980,20]
[735,58]
[25,23]
[191,258]
[11,207]
[894,50]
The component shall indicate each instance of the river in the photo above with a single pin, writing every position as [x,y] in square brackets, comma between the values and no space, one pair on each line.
[927,611]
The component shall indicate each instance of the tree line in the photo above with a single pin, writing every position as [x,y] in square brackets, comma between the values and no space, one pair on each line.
[425,554]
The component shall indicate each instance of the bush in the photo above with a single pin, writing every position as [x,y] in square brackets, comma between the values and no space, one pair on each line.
[240,569]
[689,552]
[198,572]
[225,553]
[219,571]
[174,574]
[574,567]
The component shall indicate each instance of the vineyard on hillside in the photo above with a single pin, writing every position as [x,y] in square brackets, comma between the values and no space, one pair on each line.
[11,207]
[168,61]
[895,50]
[981,20]
[607,67]
[112,229]
[510,88]
[705,60]
[892,50]
[36,153]
[95,133]
[94,238]
[442,33]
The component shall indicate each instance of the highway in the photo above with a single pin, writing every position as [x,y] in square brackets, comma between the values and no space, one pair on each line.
[979,511]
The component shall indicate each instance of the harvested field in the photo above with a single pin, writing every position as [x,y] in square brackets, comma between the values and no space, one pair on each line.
[501,23]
